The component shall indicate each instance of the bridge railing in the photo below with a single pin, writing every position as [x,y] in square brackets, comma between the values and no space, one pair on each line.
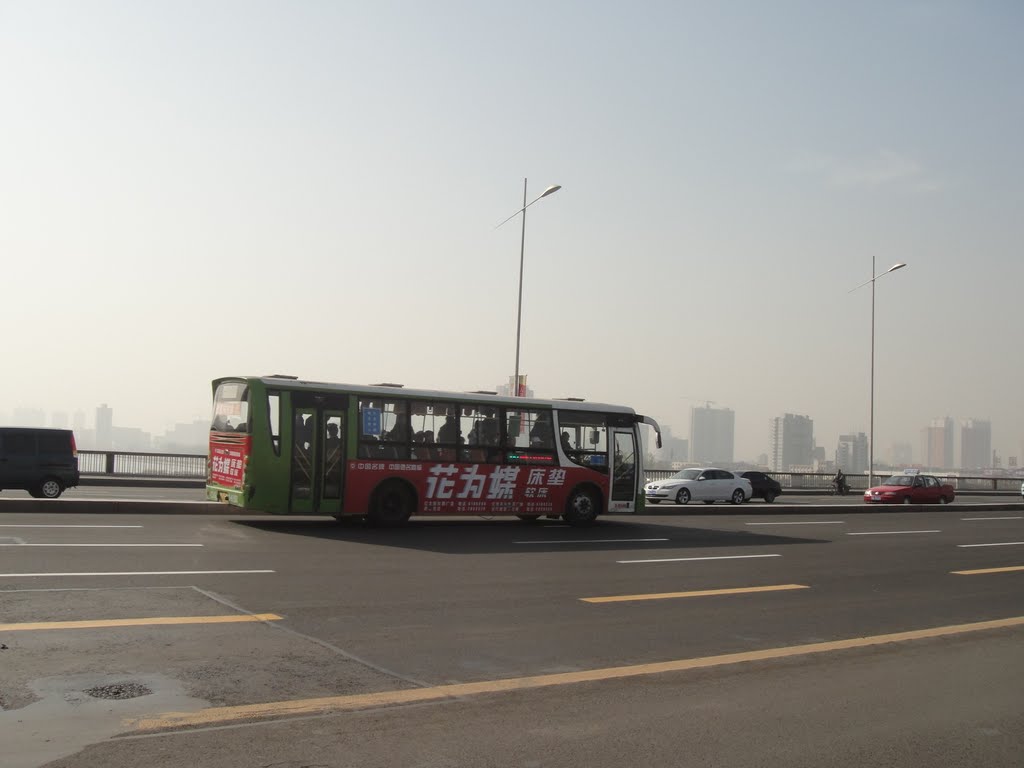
[190,466]
[822,481]
[124,464]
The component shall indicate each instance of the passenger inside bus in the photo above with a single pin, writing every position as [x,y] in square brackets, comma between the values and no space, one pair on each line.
[540,435]
[449,431]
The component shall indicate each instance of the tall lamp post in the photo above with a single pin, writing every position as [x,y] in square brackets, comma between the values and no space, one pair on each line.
[522,249]
[871,422]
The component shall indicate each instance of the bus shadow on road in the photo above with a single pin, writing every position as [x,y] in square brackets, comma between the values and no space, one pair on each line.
[473,537]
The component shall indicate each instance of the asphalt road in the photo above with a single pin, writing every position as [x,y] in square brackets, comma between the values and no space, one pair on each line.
[740,636]
[157,493]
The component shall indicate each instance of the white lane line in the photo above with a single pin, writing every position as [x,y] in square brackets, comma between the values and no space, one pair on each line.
[687,559]
[999,544]
[26,525]
[887,533]
[100,545]
[1015,517]
[585,541]
[806,522]
[129,573]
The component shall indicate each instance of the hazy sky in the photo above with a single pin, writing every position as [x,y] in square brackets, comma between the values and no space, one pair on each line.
[191,190]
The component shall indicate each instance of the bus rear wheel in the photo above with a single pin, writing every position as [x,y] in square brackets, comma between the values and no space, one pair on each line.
[392,505]
[582,507]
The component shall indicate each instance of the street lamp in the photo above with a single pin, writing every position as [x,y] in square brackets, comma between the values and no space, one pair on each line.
[522,249]
[871,422]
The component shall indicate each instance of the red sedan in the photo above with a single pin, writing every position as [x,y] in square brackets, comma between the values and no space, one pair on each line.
[910,489]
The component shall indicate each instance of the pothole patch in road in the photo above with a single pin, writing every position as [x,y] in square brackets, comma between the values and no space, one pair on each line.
[128,690]
[74,711]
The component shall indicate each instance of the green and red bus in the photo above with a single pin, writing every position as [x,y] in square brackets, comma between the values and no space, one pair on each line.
[383,452]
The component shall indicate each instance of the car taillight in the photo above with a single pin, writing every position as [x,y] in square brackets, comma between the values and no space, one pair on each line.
[74,446]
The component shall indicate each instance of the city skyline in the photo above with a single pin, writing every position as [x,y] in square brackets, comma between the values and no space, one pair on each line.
[313,189]
[791,442]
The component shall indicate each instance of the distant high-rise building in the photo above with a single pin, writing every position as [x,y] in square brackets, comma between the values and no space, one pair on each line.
[792,442]
[712,432]
[104,428]
[509,389]
[902,455]
[78,422]
[59,420]
[29,417]
[852,453]
[673,449]
[937,439]
[975,444]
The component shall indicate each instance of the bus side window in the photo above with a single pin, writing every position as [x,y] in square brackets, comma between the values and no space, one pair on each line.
[274,420]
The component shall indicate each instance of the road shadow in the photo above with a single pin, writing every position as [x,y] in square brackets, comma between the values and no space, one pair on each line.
[458,536]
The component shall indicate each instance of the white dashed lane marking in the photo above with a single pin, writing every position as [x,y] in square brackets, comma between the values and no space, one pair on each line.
[126,573]
[27,525]
[997,544]
[587,541]
[1014,517]
[690,559]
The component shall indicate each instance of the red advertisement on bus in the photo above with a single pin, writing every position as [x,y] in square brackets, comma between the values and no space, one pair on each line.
[229,455]
[474,489]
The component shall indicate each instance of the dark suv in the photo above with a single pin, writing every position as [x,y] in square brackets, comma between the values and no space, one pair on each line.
[765,487]
[41,461]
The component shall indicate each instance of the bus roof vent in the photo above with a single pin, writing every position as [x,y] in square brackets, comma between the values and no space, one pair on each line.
[389,384]
[482,392]
[282,376]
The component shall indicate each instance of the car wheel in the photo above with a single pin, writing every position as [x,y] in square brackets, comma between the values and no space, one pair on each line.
[769,497]
[50,488]
[906,499]
[738,496]
[683,497]
[943,500]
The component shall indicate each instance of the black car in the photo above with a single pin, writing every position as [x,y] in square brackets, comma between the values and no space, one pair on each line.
[765,487]
[41,461]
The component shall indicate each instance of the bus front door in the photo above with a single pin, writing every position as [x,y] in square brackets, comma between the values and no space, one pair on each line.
[318,455]
[624,475]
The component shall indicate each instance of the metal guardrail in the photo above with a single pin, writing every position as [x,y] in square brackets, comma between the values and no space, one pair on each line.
[189,466]
[823,480]
[120,464]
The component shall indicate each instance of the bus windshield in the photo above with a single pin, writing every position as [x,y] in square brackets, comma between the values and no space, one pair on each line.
[231,407]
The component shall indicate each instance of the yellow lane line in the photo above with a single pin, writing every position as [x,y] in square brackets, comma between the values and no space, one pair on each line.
[326,704]
[154,621]
[989,570]
[697,593]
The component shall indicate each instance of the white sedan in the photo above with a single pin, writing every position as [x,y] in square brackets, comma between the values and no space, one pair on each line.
[708,485]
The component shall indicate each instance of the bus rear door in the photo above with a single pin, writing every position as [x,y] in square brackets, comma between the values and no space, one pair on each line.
[318,453]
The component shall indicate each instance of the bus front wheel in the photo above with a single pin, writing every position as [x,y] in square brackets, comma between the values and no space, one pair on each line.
[582,507]
[393,504]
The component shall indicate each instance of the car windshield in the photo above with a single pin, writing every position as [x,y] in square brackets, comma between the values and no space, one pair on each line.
[687,474]
[900,480]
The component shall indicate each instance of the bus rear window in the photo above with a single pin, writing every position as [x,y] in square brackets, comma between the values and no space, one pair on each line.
[231,407]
